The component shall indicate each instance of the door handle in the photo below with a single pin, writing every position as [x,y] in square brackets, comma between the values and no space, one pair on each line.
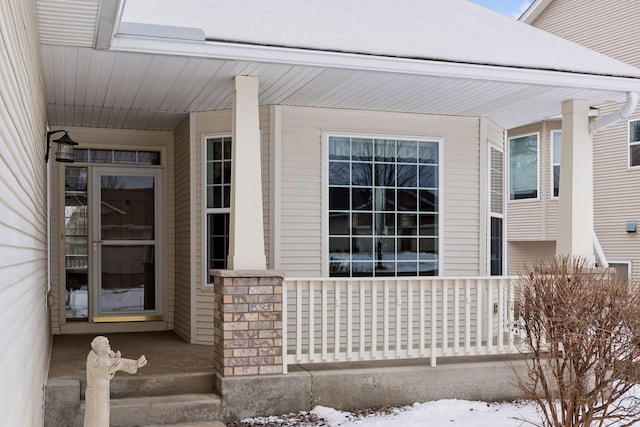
[95,244]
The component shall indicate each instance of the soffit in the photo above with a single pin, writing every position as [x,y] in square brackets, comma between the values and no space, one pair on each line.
[88,87]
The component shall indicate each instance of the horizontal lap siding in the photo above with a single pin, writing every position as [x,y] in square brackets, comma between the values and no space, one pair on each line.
[522,254]
[183,230]
[608,27]
[301,209]
[25,338]
[217,122]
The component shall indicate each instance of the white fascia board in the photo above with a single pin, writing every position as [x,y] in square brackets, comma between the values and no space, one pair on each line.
[316,58]
[533,11]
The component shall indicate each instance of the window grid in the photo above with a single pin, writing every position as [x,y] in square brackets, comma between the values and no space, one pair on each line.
[129,157]
[634,143]
[218,201]
[383,212]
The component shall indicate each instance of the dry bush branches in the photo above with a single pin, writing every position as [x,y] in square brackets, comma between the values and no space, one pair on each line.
[582,329]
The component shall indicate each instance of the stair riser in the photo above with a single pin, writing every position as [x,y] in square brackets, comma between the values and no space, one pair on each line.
[166,385]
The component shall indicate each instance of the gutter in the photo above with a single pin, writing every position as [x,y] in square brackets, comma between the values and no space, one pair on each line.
[627,109]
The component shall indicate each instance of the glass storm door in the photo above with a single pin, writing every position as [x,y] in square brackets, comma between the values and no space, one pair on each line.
[126,244]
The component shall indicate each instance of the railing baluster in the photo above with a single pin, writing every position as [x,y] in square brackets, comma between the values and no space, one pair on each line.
[312,309]
[410,318]
[434,323]
[479,316]
[445,317]
[285,321]
[385,337]
[490,313]
[501,304]
[374,319]
[423,319]
[456,317]
[299,322]
[325,304]
[398,346]
[349,320]
[336,323]
[467,316]
[511,313]
[363,310]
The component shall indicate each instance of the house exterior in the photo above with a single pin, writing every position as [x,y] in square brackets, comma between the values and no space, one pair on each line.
[225,177]
[532,223]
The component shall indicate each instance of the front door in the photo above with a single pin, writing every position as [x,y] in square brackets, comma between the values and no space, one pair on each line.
[126,237]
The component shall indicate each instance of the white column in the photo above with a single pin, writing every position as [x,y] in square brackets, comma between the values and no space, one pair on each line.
[575,218]
[246,234]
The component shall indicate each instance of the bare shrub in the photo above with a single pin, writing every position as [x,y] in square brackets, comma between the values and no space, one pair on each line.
[582,329]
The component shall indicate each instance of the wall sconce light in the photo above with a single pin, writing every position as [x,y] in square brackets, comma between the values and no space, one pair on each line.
[65,153]
[632,226]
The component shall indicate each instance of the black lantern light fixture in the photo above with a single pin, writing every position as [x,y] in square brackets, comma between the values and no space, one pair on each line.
[66,145]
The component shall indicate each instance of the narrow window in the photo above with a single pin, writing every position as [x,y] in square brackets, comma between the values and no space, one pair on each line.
[383,207]
[76,243]
[497,212]
[634,143]
[556,145]
[523,167]
[218,198]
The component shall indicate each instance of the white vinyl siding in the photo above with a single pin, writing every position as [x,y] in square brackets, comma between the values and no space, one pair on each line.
[301,211]
[525,254]
[26,337]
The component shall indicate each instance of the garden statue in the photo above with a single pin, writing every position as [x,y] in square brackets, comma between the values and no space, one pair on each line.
[102,364]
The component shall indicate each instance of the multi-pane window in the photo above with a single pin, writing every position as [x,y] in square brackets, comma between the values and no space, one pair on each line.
[497,211]
[523,167]
[129,157]
[383,207]
[634,143]
[218,189]
[556,145]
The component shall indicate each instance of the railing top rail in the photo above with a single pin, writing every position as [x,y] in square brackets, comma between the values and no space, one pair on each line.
[396,279]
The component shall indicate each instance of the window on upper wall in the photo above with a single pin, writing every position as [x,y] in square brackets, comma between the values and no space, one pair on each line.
[523,167]
[556,146]
[497,212]
[634,143]
[218,201]
[383,212]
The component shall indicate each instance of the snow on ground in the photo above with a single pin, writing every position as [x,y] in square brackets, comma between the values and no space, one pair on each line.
[439,413]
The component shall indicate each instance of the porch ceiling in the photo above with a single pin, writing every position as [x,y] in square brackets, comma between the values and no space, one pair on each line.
[100,88]
[151,82]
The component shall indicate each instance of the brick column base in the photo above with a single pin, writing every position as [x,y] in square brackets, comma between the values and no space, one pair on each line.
[248,322]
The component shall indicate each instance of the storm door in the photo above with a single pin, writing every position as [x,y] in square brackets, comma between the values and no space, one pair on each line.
[126,244]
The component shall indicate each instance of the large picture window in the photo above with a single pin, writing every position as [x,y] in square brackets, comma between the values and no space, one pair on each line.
[218,198]
[383,207]
[523,167]
[634,143]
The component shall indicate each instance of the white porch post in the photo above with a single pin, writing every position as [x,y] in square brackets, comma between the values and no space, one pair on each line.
[575,218]
[246,234]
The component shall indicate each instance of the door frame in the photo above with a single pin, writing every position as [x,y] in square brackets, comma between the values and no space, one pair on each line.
[95,171]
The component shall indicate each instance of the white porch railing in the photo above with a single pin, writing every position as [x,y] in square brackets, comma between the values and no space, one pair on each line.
[364,319]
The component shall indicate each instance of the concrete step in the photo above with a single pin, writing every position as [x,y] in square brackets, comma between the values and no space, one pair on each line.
[125,386]
[165,410]
[197,424]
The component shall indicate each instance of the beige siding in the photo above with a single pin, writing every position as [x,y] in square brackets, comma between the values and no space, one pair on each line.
[183,257]
[301,209]
[522,254]
[116,139]
[531,220]
[608,27]
[25,339]
[219,122]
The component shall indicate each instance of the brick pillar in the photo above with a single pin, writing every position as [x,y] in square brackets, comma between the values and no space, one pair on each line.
[248,322]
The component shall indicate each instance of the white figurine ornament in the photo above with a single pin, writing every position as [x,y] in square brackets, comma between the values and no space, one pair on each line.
[102,364]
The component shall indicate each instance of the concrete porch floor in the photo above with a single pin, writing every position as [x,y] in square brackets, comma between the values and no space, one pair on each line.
[165,351]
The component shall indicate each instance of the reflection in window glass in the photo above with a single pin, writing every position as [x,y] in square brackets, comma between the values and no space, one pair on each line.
[634,143]
[76,244]
[383,207]
[92,155]
[523,167]
[556,145]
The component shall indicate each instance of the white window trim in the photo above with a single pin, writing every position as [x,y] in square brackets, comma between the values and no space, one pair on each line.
[205,210]
[629,266]
[630,144]
[552,164]
[536,199]
[497,214]
[324,223]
